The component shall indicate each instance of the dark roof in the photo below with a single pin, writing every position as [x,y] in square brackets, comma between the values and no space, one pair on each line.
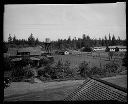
[32,50]
[95,90]
[124,47]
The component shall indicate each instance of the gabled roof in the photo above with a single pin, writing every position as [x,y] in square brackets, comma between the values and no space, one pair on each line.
[95,90]
[117,46]
[32,50]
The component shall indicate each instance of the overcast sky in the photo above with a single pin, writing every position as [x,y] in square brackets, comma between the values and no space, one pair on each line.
[63,20]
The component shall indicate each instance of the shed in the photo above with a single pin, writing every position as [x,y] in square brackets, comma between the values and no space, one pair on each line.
[66,53]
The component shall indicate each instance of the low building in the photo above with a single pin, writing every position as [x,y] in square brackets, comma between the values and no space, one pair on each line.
[121,48]
[32,51]
[62,52]
[66,53]
[74,52]
[99,48]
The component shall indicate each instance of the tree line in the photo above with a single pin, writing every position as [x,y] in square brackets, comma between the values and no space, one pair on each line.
[84,41]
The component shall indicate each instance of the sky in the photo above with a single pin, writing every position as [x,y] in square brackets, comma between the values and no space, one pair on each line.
[59,21]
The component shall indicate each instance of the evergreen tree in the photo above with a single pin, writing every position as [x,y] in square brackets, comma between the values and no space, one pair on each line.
[74,43]
[14,39]
[31,40]
[36,41]
[100,42]
[10,39]
[119,41]
[106,41]
[103,42]
[109,40]
[113,40]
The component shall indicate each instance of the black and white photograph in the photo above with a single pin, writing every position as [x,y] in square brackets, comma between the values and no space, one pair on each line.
[65,52]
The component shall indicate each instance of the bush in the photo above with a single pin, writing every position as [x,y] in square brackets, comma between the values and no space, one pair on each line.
[41,71]
[84,69]
[116,49]
[18,74]
[110,54]
[29,73]
[66,67]
[45,71]
[8,64]
[74,71]
[121,54]
[110,68]
[87,49]
[125,61]
[44,61]
[42,78]
[25,61]
[107,49]
[96,71]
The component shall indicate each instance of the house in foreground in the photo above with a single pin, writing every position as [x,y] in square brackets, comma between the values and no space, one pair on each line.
[97,89]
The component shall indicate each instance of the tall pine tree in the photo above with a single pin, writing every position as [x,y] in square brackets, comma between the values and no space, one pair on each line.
[10,40]
[109,42]
[113,40]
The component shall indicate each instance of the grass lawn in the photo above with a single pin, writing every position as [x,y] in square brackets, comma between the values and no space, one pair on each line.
[120,80]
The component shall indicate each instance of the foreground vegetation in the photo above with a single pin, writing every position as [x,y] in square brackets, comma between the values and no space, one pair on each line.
[66,69]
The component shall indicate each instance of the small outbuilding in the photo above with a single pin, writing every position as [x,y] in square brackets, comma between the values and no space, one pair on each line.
[66,53]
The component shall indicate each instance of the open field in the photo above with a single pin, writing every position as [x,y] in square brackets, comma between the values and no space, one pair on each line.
[92,58]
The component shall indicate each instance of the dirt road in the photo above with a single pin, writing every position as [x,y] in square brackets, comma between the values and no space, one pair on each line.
[23,91]
[20,91]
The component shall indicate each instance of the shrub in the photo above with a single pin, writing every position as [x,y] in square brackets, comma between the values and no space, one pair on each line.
[44,61]
[41,71]
[66,67]
[87,49]
[58,69]
[110,67]
[121,54]
[42,78]
[45,71]
[17,74]
[110,54]
[84,69]
[8,64]
[107,49]
[25,61]
[96,71]
[125,61]
[30,73]
[74,71]
[116,49]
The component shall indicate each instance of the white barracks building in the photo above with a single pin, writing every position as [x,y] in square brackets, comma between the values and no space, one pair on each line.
[121,48]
